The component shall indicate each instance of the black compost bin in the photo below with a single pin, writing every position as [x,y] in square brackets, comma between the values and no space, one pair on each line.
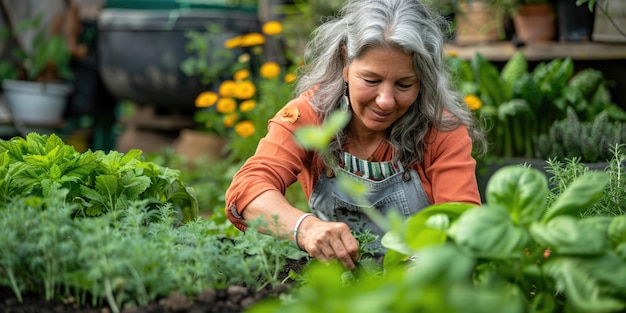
[142,45]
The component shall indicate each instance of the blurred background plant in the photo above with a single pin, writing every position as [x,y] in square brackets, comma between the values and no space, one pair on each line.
[590,141]
[251,89]
[517,104]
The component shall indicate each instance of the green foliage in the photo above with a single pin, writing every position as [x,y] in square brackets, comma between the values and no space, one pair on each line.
[127,258]
[591,140]
[207,58]
[613,200]
[516,253]
[46,52]
[518,105]
[38,165]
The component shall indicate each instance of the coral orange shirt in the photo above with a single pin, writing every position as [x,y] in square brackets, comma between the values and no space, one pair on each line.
[447,172]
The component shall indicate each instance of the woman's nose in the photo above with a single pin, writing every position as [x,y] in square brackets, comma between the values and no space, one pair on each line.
[385,97]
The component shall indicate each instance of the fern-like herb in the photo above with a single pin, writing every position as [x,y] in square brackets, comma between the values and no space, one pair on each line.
[612,201]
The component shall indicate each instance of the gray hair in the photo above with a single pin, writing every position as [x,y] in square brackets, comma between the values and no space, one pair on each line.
[405,24]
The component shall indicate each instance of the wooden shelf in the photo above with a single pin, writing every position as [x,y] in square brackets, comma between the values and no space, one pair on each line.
[503,50]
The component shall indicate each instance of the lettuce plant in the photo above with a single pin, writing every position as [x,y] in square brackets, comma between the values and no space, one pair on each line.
[98,182]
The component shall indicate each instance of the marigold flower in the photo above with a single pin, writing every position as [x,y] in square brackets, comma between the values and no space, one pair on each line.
[206,99]
[290,78]
[227,88]
[289,114]
[272,28]
[245,129]
[473,102]
[247,105]
[233,42]
[270,70]
[245,90]
[241,74]
[252,39]
[226,105]
[230,119]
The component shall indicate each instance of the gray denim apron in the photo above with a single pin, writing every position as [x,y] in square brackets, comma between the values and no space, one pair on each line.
[403,191]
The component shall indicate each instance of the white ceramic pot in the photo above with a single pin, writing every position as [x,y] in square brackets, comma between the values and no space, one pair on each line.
[610,28]
[36,103]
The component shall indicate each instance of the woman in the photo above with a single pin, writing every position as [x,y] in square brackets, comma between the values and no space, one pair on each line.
[410,137]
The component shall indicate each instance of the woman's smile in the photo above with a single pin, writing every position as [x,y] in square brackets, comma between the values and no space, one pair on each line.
[382,86]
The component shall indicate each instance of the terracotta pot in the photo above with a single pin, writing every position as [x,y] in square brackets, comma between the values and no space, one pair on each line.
[195,144]
[476,22]
[535,23]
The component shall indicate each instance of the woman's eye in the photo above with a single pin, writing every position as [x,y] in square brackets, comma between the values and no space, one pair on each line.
[370,81]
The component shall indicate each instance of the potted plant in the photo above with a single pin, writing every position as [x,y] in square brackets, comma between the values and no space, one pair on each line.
[35,77]
[610,18]
[533,20]
[477,21]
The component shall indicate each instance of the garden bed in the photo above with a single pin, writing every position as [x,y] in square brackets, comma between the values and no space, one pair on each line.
[234,298]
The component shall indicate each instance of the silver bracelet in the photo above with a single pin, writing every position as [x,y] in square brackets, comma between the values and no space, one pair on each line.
[295,229]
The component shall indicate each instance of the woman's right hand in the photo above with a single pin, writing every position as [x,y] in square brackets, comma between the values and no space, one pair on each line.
[328,240]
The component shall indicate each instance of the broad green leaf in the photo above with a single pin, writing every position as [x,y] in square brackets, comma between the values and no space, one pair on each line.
[608,268]
[579,195]
[521,191]
[441,264]
[419,234]
[617,230]
[317,138]
[572,236]
[582,292]
[488,232]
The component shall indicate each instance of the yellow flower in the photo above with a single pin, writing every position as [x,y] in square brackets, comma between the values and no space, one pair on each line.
[245,129]
[226,105]
[247,105]
[206,99]
[452,53]
[272,28]
[233,42]
[290,78]
[270,70]
[230,119]
[245,90]
[227,88]
[241,74]
[473,102]
[252,39]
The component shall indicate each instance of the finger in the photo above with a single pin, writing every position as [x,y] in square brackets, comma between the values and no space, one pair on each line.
[343,254]
[351,245]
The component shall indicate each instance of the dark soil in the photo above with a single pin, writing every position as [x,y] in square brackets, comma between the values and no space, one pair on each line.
[230,300]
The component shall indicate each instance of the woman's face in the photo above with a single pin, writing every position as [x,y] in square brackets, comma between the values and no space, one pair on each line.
[382,86]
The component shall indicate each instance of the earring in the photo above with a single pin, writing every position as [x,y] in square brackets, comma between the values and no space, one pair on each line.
[345,101]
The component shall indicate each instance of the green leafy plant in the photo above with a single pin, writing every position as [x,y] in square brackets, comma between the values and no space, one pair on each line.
[591,141]
[38,165]
[517,105]
[127,258]
[514,253]
[564,171]
[47,60]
